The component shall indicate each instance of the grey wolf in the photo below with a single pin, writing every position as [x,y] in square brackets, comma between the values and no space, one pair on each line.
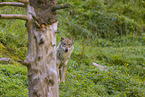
[64,51]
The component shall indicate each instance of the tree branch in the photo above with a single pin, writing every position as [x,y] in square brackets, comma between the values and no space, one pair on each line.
[37,24]
[12,4]
[61,6]
[14,16]
[23,1]
[57,32]
[4,60]
[101,67]
[34,17]
[24,62]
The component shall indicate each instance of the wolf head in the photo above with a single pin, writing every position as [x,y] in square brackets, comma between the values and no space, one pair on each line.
[66,44]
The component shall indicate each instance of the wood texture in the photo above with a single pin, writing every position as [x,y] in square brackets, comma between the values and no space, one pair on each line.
[12,4]
[43,81]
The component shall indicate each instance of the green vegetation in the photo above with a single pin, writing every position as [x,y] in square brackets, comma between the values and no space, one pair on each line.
[13,81]
[108,32]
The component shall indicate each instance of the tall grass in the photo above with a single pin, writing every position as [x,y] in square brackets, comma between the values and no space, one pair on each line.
[107,32]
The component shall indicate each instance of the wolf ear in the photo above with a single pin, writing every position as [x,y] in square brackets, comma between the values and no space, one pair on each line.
[62,38]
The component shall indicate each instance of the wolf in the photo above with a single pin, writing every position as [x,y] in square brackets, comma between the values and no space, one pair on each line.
[63,53]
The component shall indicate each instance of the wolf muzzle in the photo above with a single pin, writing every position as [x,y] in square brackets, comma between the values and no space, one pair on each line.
[66,50]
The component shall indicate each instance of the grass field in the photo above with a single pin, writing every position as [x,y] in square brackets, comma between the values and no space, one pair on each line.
[109,33]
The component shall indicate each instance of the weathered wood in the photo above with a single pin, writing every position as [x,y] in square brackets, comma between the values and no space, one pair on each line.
[24,62]
[43,80]
[12,4]
[61,6]
[43,10]
[23,1]
[14,16]
[37,24]
[34,17]
[4,60]
[101,67]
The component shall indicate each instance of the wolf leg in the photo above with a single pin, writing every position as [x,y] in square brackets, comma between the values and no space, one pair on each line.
[58,73]
[61,73]
[64,73]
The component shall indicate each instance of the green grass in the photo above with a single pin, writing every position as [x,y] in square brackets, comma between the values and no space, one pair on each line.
[13,81]
[109,33]
[125,75]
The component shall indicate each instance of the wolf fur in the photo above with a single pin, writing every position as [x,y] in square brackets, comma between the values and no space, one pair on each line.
[64,51]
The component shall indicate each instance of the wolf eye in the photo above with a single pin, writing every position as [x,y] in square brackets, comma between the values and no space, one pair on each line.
[64,44]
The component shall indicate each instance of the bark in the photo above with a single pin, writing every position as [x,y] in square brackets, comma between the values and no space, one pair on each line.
[12,4]
[14,16]
[43,81]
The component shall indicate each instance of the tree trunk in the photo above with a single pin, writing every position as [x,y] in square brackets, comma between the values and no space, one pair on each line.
[41,59]
[42,73]
[43,80]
